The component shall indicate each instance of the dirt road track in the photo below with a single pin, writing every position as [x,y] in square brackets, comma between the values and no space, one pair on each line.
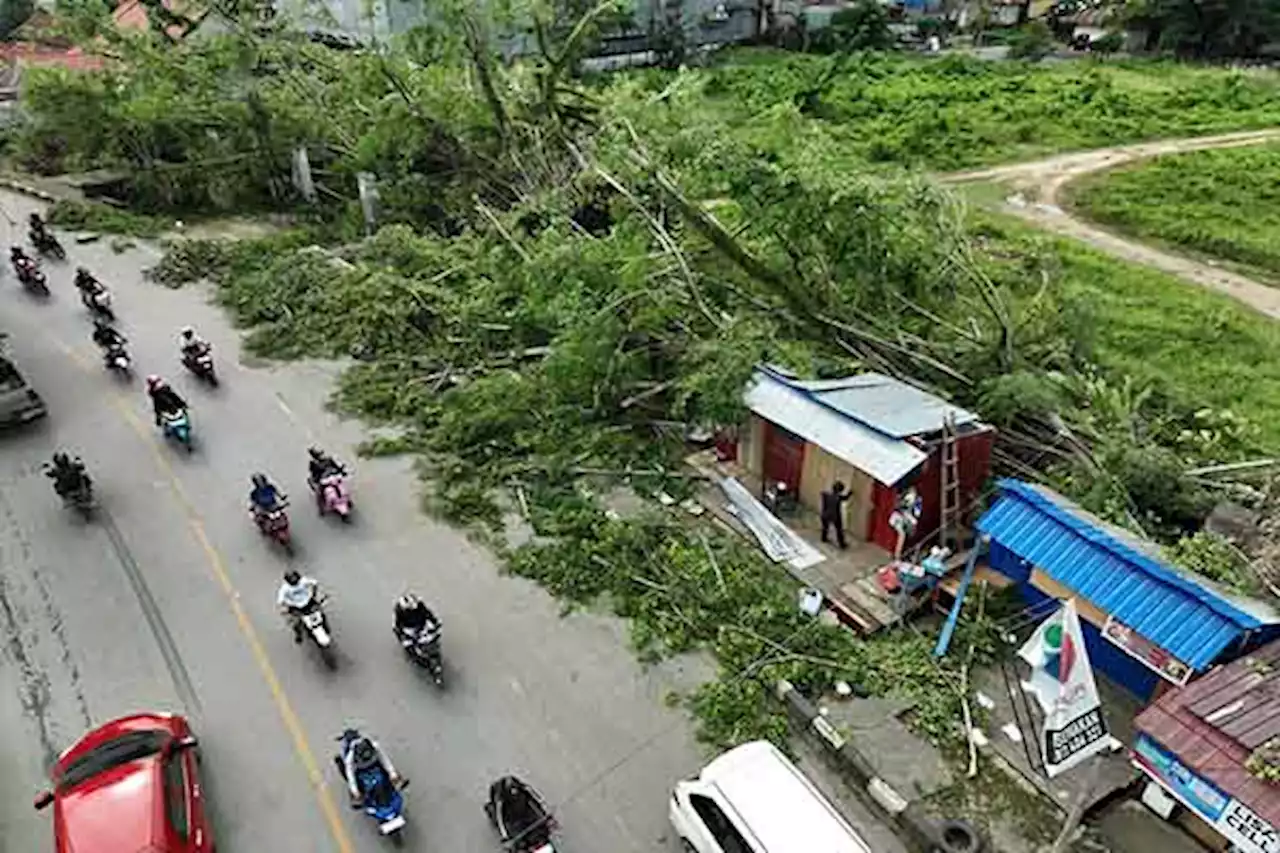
[1039,185]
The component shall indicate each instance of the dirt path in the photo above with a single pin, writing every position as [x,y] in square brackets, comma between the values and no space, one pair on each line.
[1036,189]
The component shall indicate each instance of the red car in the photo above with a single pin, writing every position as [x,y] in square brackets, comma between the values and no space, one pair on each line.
[131,786]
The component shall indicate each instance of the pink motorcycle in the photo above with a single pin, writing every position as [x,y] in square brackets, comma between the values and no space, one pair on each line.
[333,496]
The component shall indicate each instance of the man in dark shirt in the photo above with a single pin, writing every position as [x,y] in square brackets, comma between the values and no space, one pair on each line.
[832,514]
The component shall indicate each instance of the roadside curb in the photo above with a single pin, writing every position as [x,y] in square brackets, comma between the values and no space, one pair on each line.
[918,830]
[26,189]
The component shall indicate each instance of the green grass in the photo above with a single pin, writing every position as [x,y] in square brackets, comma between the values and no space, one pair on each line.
[1205,348]
[943,114]
[1223,203]
[94,216]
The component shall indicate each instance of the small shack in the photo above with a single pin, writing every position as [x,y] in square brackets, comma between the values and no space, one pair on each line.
[1148,625]
[876,434]
[1196,746]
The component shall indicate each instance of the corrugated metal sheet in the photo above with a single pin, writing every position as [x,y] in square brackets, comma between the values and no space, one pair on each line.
[1213,724]
[886,459]
[887,405]
[1188,619]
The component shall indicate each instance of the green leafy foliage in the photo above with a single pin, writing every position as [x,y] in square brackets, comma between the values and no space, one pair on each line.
[1033,41]
[546,301]
[862,26]
[1264,762]
[90,216]
[1223,203]
[950,113]
[1215,558]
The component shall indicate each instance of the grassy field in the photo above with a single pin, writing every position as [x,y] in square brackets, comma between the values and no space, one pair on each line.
[941,114]
[1205,348]
[1223,203]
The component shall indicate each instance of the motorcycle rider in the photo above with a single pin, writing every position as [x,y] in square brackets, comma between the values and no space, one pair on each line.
[164,400]
[106,336]
[413,616]
[67,475]
[322,464]
[22,263]
[263,497]
[39,233]
[517,807]
[359,755]
[88,286]
[192,345]
[296,592]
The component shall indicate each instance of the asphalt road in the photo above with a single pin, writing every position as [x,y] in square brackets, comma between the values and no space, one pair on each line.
[167,602]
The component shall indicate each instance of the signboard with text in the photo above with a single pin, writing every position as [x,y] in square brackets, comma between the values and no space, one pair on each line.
[1062,682]
[1228,816]
[1148,653]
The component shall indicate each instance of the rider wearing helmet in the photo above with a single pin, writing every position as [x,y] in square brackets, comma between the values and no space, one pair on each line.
[105,335]
[264,496]
[38,232]
[22,263]
[361,754]
[86,283]
[517,808]
[321,465]
[191,344]
[163,398]
[67,475]
[413,615]
[295,594]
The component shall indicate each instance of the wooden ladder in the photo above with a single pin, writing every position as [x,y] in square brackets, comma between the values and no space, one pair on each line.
[949,514]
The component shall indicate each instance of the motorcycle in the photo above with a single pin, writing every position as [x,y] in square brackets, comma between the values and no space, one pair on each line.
[274,523]
[332,495]
[423,648]
[316,625]
[80,498]
[201,364]
[117,359]
[177,425]
[384,803]
[32,279]
[98,302]
[534,836]
[47,244]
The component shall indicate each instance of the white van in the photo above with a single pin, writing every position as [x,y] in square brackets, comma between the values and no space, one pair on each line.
[753,800]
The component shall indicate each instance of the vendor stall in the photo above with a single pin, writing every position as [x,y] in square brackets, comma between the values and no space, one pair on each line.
[1148,625]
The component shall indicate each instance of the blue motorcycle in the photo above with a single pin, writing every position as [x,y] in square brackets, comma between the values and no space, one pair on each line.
[177,426]
[382,798]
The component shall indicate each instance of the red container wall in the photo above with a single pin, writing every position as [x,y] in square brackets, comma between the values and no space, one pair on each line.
[974,452]
[883,500]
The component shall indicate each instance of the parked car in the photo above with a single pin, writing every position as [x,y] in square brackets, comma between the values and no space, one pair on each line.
[132,784]
[19,403]
[753,800]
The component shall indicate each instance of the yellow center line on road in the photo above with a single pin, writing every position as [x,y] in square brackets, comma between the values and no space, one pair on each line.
[287,715]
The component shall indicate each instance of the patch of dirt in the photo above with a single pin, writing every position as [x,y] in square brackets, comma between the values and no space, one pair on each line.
[1036,194]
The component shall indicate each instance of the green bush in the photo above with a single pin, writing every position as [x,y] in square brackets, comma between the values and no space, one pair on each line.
[1033,41]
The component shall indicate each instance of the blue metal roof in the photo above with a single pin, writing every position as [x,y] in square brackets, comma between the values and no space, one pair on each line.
[1182,613]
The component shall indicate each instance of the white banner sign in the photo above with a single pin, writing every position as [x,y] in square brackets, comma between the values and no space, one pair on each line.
[1239,825]
[1062,681]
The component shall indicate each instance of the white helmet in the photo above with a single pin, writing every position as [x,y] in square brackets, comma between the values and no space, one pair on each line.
[188,331]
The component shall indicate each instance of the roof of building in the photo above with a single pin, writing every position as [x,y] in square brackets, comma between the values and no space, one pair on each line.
[887,405]
[1213,724]
[795,409]
[1183,613]
[34,54]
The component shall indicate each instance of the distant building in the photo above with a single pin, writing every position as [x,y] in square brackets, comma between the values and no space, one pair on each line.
[701,23]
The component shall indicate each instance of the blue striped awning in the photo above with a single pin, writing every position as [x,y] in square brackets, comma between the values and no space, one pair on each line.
[1121,574]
